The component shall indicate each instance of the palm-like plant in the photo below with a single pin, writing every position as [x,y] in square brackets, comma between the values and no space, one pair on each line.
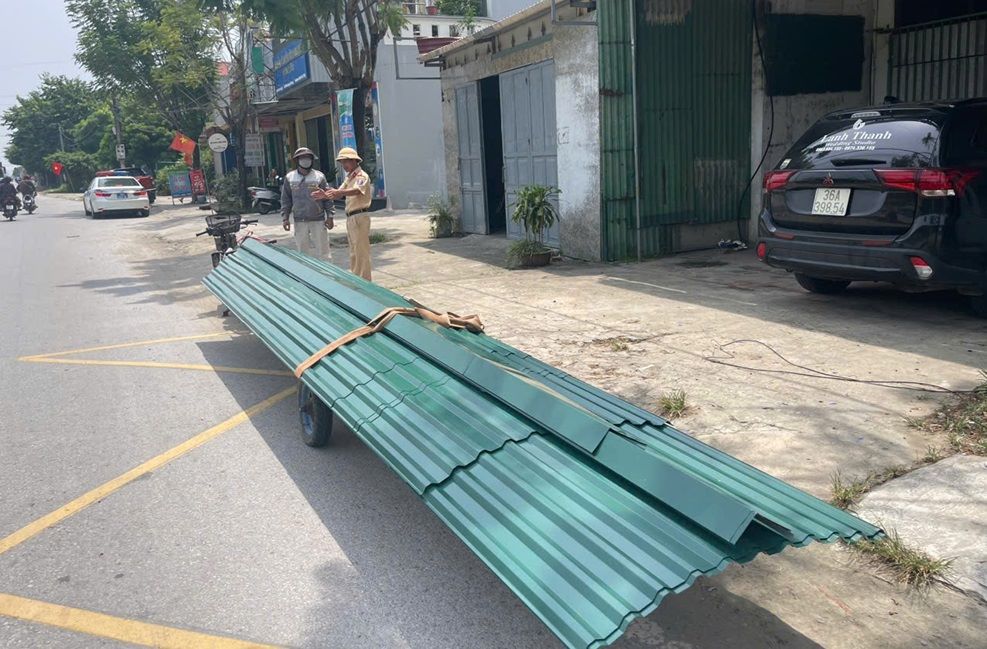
[535,210]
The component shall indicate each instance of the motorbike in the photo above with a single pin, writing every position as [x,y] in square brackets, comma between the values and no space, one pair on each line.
[10,208]
[30,203]
[264,200]
[223,228]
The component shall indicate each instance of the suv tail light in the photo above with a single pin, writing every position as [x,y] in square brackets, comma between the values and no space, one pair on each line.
[922,268]
[775,180]
[928,182]
[140,193]
[102,194]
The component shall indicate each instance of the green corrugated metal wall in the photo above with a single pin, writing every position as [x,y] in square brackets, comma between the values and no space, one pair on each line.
[617,138]
[694,98]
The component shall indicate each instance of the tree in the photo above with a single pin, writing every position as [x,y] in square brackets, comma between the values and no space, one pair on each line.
[78,167]
[146,135]
[343,34]
[160,52]
[34,122]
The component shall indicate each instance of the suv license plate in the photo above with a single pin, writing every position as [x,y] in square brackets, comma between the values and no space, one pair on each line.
[830,202]
[122,195]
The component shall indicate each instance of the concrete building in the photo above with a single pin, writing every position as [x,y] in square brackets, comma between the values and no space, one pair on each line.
[653,116]
[298,105]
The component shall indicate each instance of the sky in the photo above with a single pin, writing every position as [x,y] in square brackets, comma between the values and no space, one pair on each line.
[37,38]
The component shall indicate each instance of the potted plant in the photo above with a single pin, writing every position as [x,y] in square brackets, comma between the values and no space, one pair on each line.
[433,10]
[441,221]
[535,210]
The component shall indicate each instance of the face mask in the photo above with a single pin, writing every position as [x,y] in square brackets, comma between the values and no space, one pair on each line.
[305,163]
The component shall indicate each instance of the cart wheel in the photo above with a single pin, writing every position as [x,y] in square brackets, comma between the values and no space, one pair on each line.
[315,416]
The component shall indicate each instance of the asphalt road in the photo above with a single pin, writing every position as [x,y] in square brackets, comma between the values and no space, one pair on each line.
[111,529]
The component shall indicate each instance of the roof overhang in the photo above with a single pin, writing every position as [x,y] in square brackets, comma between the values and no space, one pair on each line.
[437,56]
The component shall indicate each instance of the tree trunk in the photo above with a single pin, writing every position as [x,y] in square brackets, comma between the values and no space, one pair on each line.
[360,120]
[241,165]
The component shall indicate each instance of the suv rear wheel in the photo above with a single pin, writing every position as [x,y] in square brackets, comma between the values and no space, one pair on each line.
[819,285]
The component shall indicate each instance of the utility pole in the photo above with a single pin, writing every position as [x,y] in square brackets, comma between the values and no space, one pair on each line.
[118,131]
[61,139]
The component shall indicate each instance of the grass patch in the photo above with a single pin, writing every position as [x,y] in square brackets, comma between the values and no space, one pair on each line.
[933,454]
[847,493]
[672,404]
[615,344]
[377,237]
[964,422]
[907,565]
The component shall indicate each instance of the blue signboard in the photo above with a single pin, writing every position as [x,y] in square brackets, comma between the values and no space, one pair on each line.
[288,50]
[291,66]
[180,185]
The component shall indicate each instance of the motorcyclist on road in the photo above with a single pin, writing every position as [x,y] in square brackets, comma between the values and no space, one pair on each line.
[8,192]
[26,186]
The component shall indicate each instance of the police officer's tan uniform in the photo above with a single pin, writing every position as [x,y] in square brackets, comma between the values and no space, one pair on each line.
[357,215]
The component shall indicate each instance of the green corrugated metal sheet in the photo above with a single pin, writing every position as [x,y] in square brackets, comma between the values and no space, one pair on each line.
[616,135]
[590,509]
[693,64]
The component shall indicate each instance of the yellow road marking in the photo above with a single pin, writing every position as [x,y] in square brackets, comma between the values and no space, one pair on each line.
[74,507]
[154,341]
[158,365]
[115,628]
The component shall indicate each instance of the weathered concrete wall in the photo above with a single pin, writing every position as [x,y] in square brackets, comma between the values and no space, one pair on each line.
[577,116]
[470,66]
[411,128]
[796,113]
[575,51]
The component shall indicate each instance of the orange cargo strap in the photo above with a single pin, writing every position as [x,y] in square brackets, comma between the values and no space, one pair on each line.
[450,320]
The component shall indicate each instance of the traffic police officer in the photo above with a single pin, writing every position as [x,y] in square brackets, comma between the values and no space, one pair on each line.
[358,191]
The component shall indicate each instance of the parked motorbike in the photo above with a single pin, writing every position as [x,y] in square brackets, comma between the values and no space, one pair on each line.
[264,199]
[223,228]
[30,203]
[10,208]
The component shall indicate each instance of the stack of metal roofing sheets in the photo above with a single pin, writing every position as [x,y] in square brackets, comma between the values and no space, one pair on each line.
[589,508]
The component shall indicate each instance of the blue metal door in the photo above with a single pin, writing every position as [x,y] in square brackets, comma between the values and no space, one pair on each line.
[527,98]
[472,195]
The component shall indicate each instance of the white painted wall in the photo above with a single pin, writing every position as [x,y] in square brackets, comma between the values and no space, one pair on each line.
[794,114]
[577,116]
[411,127]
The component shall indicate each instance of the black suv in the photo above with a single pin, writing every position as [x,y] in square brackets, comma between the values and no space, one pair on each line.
[893,193]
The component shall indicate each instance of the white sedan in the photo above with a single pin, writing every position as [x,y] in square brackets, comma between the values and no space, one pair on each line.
[115,195]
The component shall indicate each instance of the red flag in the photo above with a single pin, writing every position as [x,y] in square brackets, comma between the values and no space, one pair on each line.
[188,159]
[57,167]
[183,143]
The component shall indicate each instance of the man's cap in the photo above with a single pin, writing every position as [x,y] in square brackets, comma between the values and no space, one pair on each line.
[348,153]
[303,152]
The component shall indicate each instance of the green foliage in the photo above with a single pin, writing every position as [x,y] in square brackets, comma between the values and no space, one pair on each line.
[673,404]
[160,52]
[226,191]
[468,9]
[441,221]
[79,167]
[535,210]
[907,565]
[34,120]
